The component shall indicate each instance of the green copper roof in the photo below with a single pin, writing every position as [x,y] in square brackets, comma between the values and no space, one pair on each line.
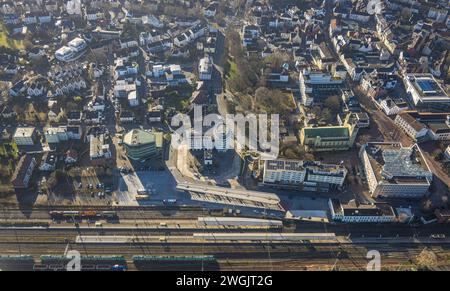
[333,131]
[138,137]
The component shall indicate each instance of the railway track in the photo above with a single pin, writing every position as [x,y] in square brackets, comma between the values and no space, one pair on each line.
[252,258]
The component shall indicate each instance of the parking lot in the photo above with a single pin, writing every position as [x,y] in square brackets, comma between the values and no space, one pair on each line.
[160,185]
[226,166]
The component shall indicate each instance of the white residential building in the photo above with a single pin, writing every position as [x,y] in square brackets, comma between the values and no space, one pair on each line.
[423,126]
[413,128]
[65,54]
[146,38]
[74,7]
[393,106]
[123,88]
[332,175]
[440,15]
[205,68]
[315,83]
[215,138]
[25,136]
[284,171]
[133,99]
[77,44]
[128,43]
[99,150]
[447,153]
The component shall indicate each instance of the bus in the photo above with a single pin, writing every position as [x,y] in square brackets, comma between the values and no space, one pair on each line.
[142,197]
[142,192]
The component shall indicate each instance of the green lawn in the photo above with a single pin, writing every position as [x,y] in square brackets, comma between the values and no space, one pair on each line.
[178,97]
[233,69]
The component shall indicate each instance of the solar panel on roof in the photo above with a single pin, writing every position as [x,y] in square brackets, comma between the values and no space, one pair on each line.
[426,85]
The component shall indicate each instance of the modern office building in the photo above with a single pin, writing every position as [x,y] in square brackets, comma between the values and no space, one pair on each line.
[142,145]
[395,171]
[426,92]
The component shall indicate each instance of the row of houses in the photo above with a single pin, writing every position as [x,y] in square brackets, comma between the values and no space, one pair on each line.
[36,86]
[43,12]
[165,75]
[29,136]
[424,126]
[126,81]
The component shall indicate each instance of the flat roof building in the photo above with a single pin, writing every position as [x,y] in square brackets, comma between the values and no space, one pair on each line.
[56,134]
[395,171]
[205,69]
[354,212]
[142,145]
[25,136]
[65,54]
[426,92]
[77,44]
[99,150]
[309,176]
[316,86]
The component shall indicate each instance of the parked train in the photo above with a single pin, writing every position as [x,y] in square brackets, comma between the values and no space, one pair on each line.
[83,214]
